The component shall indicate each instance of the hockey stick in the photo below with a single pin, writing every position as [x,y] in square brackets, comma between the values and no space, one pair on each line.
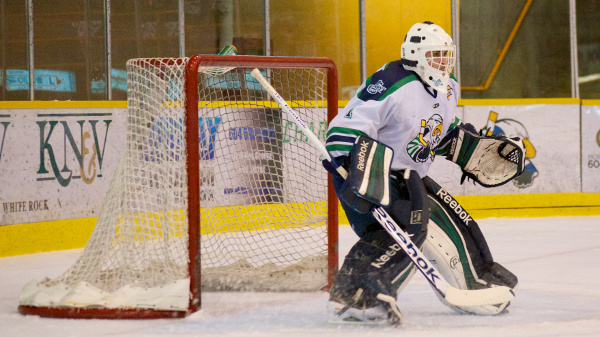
[454,296]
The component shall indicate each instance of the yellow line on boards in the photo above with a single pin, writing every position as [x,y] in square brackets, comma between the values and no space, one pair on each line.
[341,103]
[255,104]
[49,236]
[45,236]
[519,101]
[590,102]
[62,104]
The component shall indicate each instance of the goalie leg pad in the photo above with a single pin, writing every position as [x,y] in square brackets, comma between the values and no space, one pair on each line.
[440,249]
[442,252]
[457,247]
[484,310]
[376,268]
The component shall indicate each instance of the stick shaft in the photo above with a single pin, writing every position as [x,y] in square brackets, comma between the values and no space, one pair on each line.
[296,119]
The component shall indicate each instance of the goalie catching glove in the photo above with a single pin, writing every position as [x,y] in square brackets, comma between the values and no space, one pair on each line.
[490,161]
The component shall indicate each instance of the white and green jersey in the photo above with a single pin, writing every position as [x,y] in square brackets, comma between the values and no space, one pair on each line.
[394,107]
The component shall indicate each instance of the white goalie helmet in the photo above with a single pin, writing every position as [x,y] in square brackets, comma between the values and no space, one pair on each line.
[429,51]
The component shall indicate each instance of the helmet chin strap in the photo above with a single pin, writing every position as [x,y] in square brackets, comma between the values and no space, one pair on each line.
[409,63]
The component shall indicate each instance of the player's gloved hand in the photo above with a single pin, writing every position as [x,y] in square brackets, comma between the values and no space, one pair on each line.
[358,203]
[343,161]
[346,194]
[488,160]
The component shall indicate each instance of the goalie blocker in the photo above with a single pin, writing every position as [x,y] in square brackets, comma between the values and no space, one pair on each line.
[368,181]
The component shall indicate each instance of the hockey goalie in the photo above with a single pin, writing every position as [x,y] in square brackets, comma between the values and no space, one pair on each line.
[386,138]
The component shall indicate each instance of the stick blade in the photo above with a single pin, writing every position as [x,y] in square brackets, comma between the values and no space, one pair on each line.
[479,297]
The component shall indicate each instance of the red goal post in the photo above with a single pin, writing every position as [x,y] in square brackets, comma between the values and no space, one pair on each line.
[251,62]
[265,204]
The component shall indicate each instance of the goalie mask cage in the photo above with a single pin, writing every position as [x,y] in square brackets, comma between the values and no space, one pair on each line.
[216,190]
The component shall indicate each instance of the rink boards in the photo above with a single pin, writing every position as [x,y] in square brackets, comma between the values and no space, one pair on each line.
[48,202]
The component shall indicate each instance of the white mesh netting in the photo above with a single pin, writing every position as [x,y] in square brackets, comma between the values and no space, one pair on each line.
[262,183]
[263,194]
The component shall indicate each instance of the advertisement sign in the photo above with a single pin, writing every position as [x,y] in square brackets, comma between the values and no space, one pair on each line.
[303,159]
[251,156]
[590,148]
[551,135]
[57,163]
[118,81]
[240,157]
[45,80]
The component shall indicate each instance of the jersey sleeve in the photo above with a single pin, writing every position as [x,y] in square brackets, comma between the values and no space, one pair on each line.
[340,140]
[366,118]
[454,124]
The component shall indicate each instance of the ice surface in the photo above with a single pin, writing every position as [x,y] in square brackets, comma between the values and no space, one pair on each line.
[556,260]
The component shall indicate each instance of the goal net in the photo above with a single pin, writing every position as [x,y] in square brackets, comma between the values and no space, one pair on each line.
[216,190]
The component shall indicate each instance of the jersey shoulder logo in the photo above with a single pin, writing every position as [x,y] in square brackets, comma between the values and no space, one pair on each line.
[376,88]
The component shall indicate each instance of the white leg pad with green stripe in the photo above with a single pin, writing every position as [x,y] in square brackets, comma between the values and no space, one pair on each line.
[443,253]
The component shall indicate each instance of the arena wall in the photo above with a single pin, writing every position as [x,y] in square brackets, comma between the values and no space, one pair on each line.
[57,160]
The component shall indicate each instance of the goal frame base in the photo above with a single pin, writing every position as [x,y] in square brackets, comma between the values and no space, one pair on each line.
[101,313]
